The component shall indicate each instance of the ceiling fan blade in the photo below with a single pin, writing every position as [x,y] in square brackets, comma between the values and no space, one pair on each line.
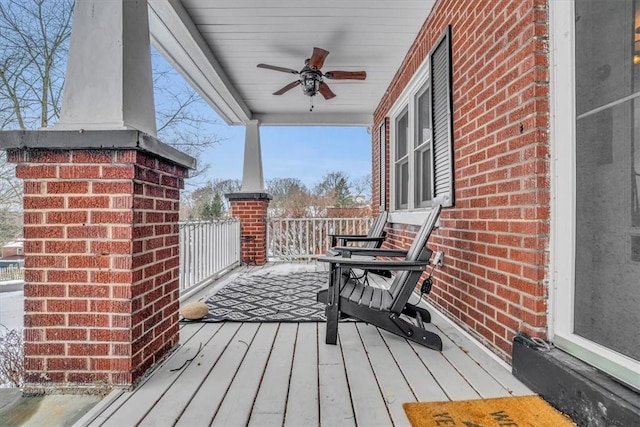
[346,75]
[326,91]
[317,59]
[287,88]
[273,67]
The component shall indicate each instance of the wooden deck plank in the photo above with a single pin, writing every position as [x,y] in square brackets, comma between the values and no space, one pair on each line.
[137,404]
[368,404]
[395,388]
[480,380]
[335,399]
[303,400]
[103,410]
[420,379]
[303,379]
[271,402]
[449,380]
[176,398]
[204,405]
[499,371]
[239,399]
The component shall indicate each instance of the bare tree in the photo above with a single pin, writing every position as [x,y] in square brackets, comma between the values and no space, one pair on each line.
[208,201]
[335,188]
[362,187]
[291,198]
[33,51]
[35,36]
[11,357]
[183,118]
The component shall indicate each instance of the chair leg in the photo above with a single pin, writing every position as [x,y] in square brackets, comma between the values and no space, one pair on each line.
[333,306]
[414,333]
[412,310]
[333,315]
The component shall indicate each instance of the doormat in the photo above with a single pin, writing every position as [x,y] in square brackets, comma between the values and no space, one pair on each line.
[269,297]
[519,411]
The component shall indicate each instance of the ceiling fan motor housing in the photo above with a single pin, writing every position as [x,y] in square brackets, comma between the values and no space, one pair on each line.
[310,81]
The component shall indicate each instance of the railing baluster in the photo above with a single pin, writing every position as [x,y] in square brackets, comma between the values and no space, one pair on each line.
[292,238]
[206,249]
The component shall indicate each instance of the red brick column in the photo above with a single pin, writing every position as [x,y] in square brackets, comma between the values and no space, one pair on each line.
[101,265]
[251,210]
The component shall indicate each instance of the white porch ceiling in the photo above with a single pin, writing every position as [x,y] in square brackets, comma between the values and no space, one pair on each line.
[216,45]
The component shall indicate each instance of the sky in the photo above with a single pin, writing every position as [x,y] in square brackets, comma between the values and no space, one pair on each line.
[302,152]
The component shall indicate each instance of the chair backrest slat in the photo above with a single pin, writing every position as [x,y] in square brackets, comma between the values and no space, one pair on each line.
[422,236]
[405,281]
[377,229]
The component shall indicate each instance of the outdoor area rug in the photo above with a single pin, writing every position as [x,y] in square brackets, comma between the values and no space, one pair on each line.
[269,297]
[521,411]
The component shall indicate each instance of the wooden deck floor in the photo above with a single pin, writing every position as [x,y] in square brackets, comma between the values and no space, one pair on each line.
[283,374]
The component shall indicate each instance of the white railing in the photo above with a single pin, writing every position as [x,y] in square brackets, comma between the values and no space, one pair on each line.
[303,238]
[11,273]
[207,250]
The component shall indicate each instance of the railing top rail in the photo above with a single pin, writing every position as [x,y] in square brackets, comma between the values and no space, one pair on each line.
[356,218]
[207,221]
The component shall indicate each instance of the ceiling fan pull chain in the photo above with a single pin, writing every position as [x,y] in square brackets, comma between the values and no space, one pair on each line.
[310,103]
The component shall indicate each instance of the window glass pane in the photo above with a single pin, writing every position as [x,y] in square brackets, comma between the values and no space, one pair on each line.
[605,38]
[402,184]
[424,117]
[607,266]
[423,176]
[405,184]
[402,127]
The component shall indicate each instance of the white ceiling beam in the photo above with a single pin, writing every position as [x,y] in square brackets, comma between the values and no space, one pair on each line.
[315,119]
[179,41]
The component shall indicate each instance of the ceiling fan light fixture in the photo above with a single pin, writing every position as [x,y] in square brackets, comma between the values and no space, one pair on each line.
[310,83]
[312,78]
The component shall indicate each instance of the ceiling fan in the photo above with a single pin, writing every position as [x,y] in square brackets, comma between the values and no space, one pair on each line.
[312,79]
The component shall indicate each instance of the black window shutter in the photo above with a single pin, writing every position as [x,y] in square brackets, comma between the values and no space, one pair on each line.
[442,119]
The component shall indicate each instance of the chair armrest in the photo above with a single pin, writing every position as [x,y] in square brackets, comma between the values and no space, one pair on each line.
[342,236]
[344,239]
[375,264]
[361,239]
[354,250]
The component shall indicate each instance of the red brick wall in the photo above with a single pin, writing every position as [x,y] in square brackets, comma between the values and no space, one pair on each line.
[11,251]
[495,238]
[252,214]
[377,196]
[101,265]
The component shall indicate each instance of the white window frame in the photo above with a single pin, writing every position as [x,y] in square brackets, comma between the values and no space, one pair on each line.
[420,145]
[406,158]
[407,100]
[382,169]
[563,214]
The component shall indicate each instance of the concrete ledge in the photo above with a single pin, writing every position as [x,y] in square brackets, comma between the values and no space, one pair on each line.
[61,410]
[248,196]
[587,395]
[94,140]
[11,286]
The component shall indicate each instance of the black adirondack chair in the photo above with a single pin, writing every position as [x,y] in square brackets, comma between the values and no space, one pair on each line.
[373,239]
[347,297]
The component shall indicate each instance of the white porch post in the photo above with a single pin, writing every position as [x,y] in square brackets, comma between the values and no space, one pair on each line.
[109,82]
[250,205]
[252,179]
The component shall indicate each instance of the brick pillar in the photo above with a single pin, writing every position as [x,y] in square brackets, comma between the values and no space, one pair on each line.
[101,259]
[251,210]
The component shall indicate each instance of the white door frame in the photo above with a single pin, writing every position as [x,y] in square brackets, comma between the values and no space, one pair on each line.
[563,201]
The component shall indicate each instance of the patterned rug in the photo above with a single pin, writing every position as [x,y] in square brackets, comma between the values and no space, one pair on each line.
[269,298]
